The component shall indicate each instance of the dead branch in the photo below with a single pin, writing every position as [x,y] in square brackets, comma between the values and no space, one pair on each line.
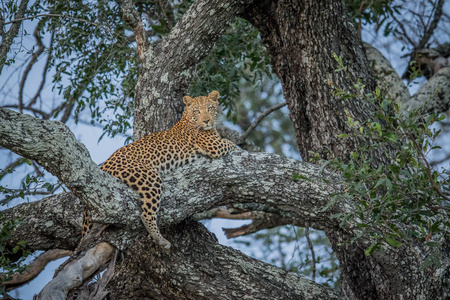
[76,272]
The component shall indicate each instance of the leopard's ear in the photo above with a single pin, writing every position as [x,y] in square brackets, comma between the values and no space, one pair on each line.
[214,95]
[187,100]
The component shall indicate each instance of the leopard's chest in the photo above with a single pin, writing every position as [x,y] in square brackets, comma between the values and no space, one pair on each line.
[167,156]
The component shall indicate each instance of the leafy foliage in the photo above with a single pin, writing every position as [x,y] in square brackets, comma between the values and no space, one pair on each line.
[12,257]
[30,186]
[237,55]
[403,191]
[373,12]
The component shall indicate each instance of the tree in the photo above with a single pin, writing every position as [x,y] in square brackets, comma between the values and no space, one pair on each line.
[300,37]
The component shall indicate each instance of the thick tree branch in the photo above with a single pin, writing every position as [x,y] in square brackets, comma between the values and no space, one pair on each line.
[207,270]
[434,96]
[385,74]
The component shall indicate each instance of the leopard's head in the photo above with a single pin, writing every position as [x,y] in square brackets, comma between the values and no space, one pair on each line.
[201,112]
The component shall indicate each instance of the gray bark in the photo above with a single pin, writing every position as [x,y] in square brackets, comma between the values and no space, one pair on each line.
[432,98]
[52,145]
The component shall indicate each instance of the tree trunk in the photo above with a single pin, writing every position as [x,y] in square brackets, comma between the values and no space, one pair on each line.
[301,37]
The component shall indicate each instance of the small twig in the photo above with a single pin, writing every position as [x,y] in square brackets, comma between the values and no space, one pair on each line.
[439,207]
[430,177]
[259,119]
[44,115]
[44,73]
[429,31]
[33,60]
[64,17]
[437,162]
[313,255]
[11,166]
[400,24]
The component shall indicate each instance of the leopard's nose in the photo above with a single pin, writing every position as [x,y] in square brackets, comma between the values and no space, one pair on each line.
[206,122]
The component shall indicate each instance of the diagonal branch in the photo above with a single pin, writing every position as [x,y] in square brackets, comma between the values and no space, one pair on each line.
[132,18]
[8,37]
[35,267]
[259,119]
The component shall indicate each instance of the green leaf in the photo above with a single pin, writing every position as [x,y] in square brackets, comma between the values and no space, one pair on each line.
[298,177]
[393,242]
[342,135]
[371,249]
[338,215]
[345,220]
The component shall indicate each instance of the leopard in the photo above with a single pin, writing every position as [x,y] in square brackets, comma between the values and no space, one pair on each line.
[141,163]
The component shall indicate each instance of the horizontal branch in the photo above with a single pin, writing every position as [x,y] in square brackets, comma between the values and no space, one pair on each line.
[266,181]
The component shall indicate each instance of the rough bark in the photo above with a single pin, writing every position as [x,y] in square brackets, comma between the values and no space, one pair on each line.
[386,75]
[434,96]
[301,37]
[204,269]
[52,145]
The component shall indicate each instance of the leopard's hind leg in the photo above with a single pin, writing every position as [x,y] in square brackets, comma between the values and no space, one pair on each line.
[148,184]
